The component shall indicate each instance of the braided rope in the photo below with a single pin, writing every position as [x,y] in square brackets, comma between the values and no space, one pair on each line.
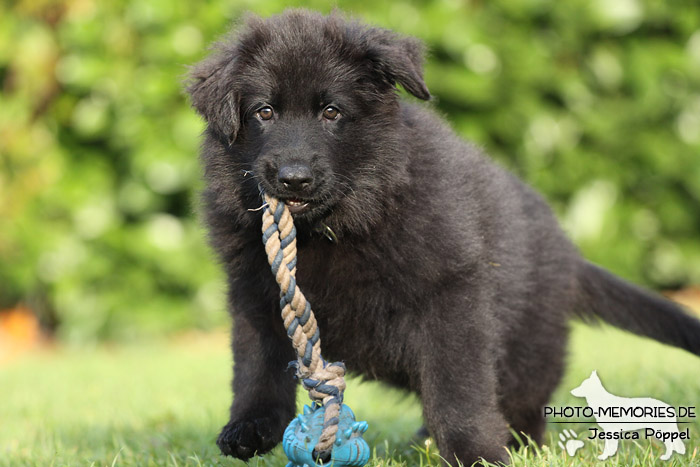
[324,381]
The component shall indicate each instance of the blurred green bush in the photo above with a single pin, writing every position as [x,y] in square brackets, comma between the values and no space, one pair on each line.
[596,103]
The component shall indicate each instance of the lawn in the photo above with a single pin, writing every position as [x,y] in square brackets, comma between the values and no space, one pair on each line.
[162,403]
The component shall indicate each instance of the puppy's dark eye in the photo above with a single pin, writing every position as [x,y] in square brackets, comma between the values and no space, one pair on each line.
[331,113]
[265,113]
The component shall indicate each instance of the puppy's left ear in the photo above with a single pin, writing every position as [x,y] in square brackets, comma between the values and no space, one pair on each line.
[398,59]
[212,90]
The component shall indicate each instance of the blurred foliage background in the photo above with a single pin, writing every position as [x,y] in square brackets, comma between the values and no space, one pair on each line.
[596,103]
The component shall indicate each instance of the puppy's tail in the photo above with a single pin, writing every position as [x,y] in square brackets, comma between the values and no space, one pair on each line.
[626,306]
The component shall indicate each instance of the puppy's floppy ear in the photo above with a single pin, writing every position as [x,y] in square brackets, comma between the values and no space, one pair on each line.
[398,59]
[211,86]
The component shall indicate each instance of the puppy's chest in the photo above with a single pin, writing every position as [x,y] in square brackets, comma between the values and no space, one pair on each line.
[341,281]
[364,313]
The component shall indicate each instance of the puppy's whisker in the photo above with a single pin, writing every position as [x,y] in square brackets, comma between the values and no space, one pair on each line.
[249,175]
[344,182]
[253,178]
[264,205]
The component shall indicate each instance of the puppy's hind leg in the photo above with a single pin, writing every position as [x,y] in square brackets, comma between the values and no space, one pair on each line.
[529,425]
[460,407]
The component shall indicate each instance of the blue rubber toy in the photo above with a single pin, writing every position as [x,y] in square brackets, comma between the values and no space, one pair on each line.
[303,432]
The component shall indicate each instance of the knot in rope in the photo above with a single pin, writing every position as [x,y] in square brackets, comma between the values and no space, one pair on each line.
[324,381]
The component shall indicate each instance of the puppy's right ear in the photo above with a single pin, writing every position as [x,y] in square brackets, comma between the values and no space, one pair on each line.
[212,90]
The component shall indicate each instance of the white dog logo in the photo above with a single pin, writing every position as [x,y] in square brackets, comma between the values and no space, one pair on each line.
[638,415]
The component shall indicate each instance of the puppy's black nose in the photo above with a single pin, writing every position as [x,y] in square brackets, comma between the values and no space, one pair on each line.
[295,177]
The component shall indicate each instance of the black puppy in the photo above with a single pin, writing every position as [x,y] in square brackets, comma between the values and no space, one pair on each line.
[445,274]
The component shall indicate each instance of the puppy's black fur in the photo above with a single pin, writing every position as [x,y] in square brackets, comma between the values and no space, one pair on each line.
[449,277]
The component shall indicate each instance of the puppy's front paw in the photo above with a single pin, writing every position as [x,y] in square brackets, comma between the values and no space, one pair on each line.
[247,437]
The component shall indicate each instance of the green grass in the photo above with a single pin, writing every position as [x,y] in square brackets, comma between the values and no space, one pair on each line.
[162,404]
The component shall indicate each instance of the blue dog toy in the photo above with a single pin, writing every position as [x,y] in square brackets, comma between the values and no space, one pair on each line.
[302,433]
[327,432]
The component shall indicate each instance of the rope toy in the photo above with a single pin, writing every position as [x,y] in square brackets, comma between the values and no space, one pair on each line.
[327,422]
